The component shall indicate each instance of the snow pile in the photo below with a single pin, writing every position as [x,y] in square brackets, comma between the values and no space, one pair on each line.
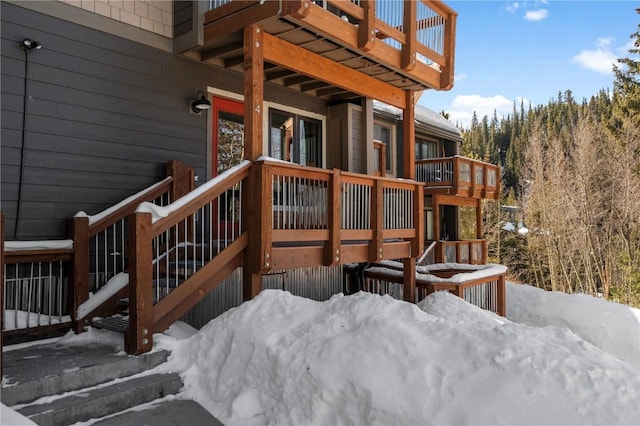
[612,327]
[367,359]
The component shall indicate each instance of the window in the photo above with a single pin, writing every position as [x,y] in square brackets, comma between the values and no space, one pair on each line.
[384,134]
[295,138]
[426,149]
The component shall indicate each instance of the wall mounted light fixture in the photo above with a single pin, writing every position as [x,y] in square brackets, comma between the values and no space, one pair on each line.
[29,44]
[200,104]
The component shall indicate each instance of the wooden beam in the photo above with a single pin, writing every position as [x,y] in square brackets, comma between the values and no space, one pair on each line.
[281,73]
[80,269]
[409,134]
[292,81]
[409,280]
[452,200]
[223,25]
[366,28]
[139,337]
[304,61]
[332,253]
[410,30]
[253,91]
[377,212]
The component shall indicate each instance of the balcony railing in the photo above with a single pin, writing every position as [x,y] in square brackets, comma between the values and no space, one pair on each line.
[472,252]
[422,31]
[460,176]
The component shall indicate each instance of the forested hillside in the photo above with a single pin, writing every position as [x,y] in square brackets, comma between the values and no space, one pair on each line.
[571,172]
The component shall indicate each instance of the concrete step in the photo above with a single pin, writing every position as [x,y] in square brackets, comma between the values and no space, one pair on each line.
[102,400]
[169,413]
[35,371]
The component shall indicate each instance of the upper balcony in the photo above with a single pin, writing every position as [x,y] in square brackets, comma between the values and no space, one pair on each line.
[459,176]
[319,47]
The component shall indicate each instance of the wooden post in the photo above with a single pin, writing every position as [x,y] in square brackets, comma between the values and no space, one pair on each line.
[1,286]
[257,222]
[183,179]
[446,76]
[418,221]
[139,337]
[252,202]
[377,213]
[502,296]
[410,30]
[472,168]
[332,253]
[409,279]
[366,27]
[80,269]
[253,91]
[409,132]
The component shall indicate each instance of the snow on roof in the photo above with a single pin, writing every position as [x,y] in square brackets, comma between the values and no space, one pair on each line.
[424,116]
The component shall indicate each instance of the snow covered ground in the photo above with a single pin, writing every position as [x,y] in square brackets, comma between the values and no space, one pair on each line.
[365,359]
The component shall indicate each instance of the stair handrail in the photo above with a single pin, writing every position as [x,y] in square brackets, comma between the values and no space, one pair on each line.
[108,223]
[425,253]
[175,233]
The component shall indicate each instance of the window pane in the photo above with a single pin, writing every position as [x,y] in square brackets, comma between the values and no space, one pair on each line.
[309,143]
[280,135]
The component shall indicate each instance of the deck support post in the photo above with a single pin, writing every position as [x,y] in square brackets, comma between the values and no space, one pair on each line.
[139,338]
[377,211]
[257,222]
[332,254]
[409,279]
[253,198]
[502,296]
[409,132]
[80,270]
[253,91]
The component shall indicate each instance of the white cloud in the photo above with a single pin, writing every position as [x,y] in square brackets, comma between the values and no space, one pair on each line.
[512,7]
[462,107]
[600,59]
[536,15]
[460,77]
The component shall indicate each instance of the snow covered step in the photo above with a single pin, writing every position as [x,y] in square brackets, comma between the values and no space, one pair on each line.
[35,371]
[115,323]
[163,413]
[103,400]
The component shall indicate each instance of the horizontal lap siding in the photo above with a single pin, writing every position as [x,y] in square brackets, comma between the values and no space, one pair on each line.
[103,116]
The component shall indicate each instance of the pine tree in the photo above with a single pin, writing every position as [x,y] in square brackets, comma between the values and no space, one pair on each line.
[626,87]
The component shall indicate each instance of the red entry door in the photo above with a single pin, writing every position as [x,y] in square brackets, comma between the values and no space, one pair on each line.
[228,134]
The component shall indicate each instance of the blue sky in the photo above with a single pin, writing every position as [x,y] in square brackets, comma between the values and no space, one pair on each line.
[532,50]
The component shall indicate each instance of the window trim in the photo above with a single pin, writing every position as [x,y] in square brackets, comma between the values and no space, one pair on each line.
[299,113]
[391,146]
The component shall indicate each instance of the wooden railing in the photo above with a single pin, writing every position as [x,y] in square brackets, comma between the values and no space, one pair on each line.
[487,292]
[460,176]
[347,217]
[422,31]
[472,252]
[178,253]
[36,289]
[101,241]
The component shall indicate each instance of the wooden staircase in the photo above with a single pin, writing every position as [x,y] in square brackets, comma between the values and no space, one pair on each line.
[152,257]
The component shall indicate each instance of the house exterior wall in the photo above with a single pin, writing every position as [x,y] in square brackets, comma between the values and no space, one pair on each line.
[103,115]
[155,16]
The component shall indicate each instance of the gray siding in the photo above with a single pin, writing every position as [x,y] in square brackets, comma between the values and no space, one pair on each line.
[103,115]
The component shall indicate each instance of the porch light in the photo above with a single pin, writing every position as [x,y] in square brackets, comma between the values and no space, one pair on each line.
[201,104]
[29,44]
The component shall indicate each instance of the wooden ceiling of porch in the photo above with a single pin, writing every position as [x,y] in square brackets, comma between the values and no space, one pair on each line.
[227,52]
